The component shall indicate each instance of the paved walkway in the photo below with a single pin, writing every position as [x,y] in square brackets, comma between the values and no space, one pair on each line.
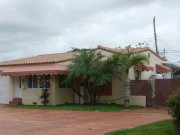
[47,122]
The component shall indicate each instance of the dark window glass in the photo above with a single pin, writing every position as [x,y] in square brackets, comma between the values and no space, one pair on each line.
[137,75]
[20,82]
[32,81]
[44,80]
[62,82]
[35,81]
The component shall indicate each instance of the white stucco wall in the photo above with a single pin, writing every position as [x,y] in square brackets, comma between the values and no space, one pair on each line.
[105,53]
[153,60]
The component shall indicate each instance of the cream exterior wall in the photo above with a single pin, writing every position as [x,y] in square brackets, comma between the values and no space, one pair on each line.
[30,95]
[137,100]
[63,95]
[117,92]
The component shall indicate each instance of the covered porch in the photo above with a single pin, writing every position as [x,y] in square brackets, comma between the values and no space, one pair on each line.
[24,83]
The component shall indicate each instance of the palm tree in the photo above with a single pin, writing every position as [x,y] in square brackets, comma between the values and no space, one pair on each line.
[124,61]
[91,70]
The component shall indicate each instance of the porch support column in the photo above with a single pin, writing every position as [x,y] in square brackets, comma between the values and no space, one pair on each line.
[11,92]
[53,90]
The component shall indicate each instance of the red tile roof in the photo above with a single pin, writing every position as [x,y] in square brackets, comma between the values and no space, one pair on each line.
[62,57]
[162,69]
[41,59]
[124,51]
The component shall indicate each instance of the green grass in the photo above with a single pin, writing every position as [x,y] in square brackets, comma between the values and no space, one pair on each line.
[158,128]
[73,107]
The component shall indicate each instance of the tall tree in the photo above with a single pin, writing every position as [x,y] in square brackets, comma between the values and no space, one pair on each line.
[90,67]
[124,61]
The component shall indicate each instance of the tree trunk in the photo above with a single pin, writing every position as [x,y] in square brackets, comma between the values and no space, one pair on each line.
[100,94]
[91,91]
[94,96]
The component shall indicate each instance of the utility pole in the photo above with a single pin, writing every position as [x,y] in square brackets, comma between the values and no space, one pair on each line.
[164,52]
[155,37]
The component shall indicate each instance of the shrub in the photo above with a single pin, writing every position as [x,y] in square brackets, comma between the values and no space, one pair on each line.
[174,109]
[45,96]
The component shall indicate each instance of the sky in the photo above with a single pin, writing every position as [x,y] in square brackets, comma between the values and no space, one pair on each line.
[33,27]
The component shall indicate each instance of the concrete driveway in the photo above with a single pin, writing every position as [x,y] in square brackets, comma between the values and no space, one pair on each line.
[43,122]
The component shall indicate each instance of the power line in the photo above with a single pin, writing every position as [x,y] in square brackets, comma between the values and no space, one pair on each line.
[165,43]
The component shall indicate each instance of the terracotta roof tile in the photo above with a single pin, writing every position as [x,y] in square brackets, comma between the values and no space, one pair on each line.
[123,51]
[62,57]
[41,59]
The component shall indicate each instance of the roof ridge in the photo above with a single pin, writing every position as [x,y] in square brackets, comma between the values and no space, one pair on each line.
[120,50]
[55,53]
[146,48]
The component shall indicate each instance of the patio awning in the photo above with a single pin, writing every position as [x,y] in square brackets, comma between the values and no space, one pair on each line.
[162,69]
[143,67]
[39,69]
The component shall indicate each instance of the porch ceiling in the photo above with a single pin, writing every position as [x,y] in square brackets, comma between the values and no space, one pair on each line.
[54,68]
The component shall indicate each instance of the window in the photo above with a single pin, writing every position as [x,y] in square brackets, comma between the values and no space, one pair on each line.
[137,75]
[19,81]
[62,83]
[104,90]
[32,81]
[149,55]
[44,79]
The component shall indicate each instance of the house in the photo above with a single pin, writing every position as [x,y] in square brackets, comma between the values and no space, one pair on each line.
[24,77]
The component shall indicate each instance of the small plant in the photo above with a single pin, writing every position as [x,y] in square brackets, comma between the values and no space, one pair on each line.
[45,84]
[174,109]
[45,96]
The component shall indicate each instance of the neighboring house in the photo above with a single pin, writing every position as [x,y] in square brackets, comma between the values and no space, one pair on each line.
[23,76]
[175,68]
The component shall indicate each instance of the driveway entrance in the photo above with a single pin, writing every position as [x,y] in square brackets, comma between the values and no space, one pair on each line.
[50,122]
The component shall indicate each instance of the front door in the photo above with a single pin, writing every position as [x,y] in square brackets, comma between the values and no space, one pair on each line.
[17,87]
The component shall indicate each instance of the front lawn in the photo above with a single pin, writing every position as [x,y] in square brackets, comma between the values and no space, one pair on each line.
[73,107]
[158,128]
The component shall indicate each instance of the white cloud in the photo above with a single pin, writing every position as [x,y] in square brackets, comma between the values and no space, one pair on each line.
[34,27]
